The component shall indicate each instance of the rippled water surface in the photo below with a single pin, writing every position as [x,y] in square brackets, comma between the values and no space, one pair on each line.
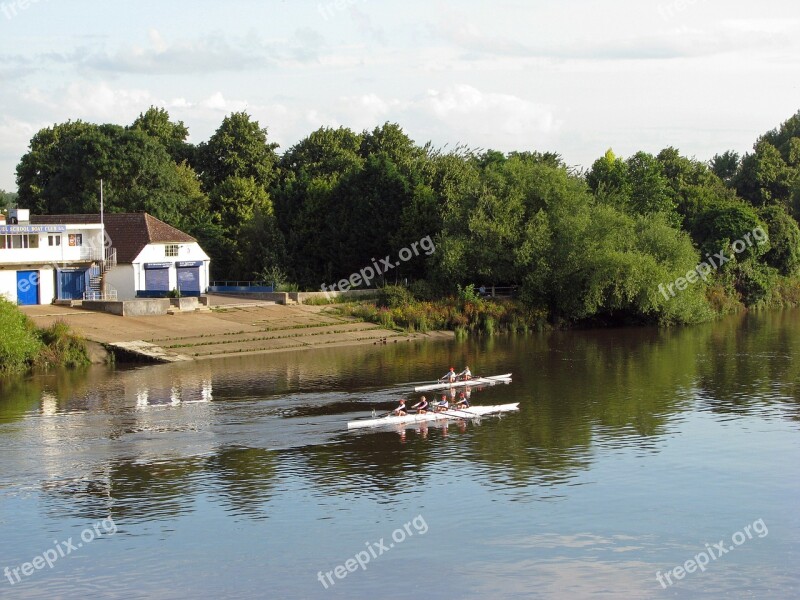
[634,451]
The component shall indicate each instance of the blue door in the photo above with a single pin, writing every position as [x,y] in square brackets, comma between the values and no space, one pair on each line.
[156,281]
[71,285]
[189,281]
[27,288]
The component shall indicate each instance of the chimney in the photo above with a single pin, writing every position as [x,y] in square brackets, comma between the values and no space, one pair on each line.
[19,216]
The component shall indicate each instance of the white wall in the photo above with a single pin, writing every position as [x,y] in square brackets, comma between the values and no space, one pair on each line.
[91,248]
[8,285]
[156,253]
[47,285]
[121,279]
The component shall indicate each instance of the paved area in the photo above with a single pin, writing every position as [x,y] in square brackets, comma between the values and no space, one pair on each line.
[230,328]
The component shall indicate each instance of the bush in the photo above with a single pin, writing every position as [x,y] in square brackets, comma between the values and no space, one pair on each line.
[62,347]
[19,344]
[423,290]
[394,296]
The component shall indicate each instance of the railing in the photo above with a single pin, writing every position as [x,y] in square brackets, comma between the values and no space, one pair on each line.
[242,283]
[110,259]
[109,294]
[241,286]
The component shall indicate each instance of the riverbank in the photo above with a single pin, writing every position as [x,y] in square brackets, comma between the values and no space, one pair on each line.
[231,328]
[24,345]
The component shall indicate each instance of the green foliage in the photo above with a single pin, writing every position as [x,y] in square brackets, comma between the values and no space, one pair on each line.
[468,294]
[238,149]
[784,240]
[725,165]
[62,347]
[423,290]
[155,122]
[579,248]
[609,180]
[7,200]
[23,346]
[453,313]
[394,296]
[19,344]
[764,177]
[61,173]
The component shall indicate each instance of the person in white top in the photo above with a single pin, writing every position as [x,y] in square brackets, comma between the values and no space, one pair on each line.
[421,406]
[465,374]
[450,376]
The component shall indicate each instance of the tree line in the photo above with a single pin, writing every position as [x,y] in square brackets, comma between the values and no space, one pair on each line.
[580,245]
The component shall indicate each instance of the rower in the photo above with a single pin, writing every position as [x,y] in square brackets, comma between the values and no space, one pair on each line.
[400,411]
[442,405]
[421,406]
[463,401]
[450,376]
[465,375]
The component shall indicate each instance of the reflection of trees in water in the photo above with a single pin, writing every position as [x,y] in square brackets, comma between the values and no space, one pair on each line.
[136,491]
[376,463]
[247,476]
[750,364]
[128,490]
[580,391]
[586,389]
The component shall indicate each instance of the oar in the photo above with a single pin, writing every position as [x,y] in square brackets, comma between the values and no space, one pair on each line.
[465,413]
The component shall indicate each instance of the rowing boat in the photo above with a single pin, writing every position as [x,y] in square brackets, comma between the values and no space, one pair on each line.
[494,379]
[472,412]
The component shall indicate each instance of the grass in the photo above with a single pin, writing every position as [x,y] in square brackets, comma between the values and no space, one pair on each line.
[464,317]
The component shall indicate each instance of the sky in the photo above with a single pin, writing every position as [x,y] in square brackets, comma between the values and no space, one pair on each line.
[576,77]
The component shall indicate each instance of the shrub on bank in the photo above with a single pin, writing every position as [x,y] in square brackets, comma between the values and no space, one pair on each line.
[62,347]
[19,343]
[23,345]
[396,308]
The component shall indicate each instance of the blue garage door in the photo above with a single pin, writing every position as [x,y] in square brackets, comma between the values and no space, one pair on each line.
[27,287]
[156,279]
[71,284]
[189,280]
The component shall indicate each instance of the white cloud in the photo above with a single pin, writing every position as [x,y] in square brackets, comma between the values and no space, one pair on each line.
[502,121]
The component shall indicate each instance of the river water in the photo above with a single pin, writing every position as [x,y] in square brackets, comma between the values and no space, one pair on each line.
[634,451]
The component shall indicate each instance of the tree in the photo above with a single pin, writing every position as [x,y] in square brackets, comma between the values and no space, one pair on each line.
[785,138]
[250,234]
[784,240]
[7,200]
[239,148]
[608,179]
[649,188]
[318,161]
[390,140]
[725,165]
[155,122]
[764,178]
[61,173]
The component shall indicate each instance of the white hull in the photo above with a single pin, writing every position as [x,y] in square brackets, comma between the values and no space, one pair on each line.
[494,379]
[466,413]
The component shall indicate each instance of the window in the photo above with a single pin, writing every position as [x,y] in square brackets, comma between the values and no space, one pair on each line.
[53,240]
[19,241]
[171,250]
[76,239]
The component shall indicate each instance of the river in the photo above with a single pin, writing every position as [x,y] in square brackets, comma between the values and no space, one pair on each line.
[642,463]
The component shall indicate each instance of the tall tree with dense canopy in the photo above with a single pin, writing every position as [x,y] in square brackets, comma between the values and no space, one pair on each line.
[238,148]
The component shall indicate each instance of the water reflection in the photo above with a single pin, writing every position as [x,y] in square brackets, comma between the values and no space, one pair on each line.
[145,442]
